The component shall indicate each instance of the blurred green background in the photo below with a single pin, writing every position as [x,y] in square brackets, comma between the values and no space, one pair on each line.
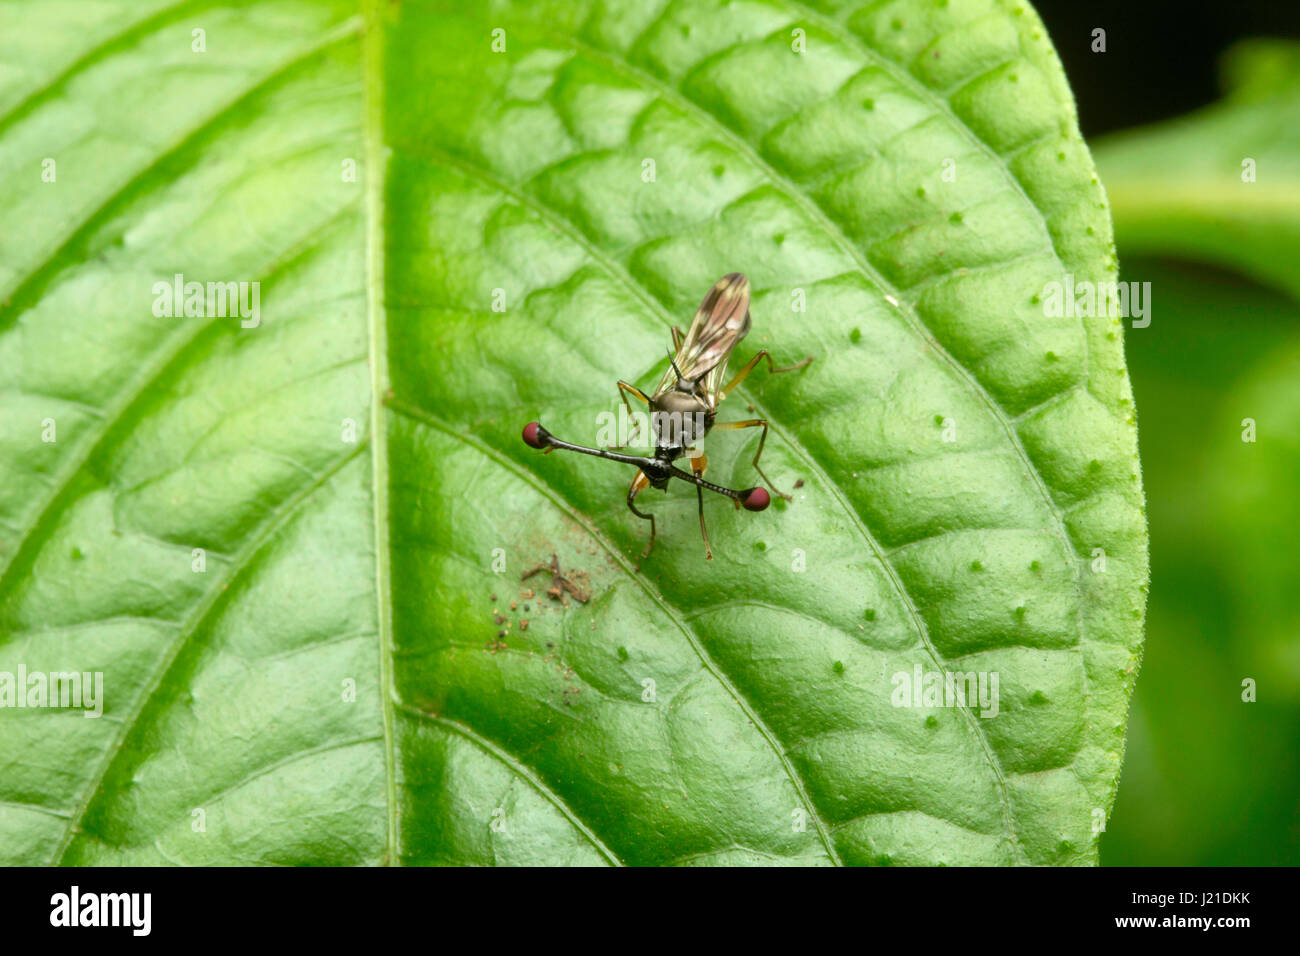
[1186,100]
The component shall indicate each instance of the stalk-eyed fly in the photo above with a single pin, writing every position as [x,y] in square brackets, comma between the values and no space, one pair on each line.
[684,406]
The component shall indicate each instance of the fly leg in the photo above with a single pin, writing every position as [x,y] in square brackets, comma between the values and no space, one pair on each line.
[639,484]
[749,367]
[755,423]
[624,389]
[698,464]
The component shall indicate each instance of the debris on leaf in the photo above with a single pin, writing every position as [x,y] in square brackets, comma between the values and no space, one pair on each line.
[577,583]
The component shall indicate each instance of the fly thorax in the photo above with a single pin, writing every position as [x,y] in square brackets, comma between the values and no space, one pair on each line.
[678,419]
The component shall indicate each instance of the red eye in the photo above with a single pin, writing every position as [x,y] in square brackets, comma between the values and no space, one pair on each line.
[533,435]
[755,499]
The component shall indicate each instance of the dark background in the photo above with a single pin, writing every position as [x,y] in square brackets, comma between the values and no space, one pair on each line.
[1161,56]
[1207,780]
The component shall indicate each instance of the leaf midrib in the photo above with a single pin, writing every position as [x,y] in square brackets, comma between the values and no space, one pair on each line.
[374,169]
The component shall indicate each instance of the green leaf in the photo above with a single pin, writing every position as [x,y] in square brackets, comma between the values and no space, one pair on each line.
[1221,185]
[349,680]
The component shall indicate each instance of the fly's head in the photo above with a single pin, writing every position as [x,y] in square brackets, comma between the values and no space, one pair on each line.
[659,471]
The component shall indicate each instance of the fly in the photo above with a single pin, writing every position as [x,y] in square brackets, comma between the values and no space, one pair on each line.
[684,407]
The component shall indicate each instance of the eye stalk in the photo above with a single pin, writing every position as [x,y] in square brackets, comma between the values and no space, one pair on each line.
[658,470]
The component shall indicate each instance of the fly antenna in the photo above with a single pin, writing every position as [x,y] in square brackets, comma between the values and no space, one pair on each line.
[673,362]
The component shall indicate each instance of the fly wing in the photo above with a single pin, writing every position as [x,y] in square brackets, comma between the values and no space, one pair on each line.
[720,322]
